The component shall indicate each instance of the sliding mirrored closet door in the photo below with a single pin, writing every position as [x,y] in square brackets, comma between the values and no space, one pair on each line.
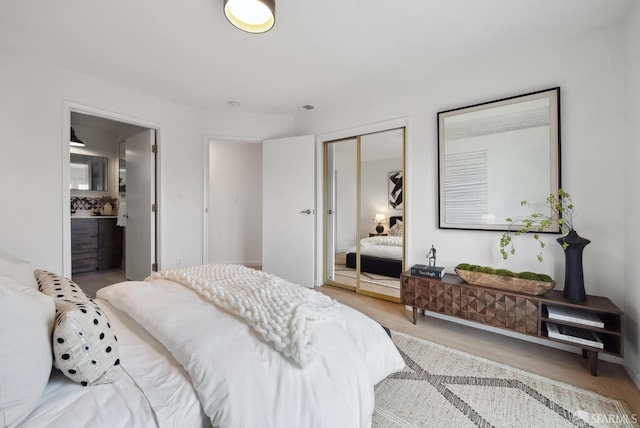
[364,216]
[341,202]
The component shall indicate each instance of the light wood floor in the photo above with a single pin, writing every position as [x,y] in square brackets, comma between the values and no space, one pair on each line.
[612,380]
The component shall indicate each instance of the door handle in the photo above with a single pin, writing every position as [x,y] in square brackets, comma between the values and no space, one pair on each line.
[307,211]
[331,211]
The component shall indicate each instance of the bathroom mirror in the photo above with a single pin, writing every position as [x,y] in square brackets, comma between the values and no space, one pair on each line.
[88,172]
[122,169]
[494,155]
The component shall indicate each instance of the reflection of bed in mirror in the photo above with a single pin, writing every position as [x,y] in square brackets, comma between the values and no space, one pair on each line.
[381,255]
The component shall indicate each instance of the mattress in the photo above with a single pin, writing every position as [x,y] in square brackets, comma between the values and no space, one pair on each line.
[387,247]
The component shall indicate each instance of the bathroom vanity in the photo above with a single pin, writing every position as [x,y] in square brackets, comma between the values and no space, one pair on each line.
[96,243]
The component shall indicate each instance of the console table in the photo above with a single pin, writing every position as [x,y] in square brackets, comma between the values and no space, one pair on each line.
[512,311]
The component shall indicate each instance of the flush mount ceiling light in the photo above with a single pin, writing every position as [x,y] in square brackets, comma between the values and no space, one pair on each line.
[75,141]
[252,16]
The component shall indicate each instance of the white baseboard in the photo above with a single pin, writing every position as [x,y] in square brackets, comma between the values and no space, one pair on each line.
[250,263]
[633,371]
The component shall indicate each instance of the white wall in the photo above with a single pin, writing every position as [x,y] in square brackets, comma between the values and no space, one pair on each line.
[590,72]
[235,202]
[31,123]
[631,191]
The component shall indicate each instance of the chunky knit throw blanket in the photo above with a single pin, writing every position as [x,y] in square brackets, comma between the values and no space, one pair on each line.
[280,311]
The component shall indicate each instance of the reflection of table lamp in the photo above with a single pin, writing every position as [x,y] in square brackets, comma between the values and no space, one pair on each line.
[379,218]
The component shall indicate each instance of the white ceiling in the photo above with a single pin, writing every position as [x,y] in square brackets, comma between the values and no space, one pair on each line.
[319,50]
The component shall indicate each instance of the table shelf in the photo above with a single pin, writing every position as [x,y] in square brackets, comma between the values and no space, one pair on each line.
[518,312]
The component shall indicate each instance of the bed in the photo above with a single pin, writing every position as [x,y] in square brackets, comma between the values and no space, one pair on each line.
[381,255]
[188,354]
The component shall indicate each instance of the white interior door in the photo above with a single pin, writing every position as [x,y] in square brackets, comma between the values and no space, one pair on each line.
[141,221]
[288,208]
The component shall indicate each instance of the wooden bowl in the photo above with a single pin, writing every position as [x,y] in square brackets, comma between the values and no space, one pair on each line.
[507,283]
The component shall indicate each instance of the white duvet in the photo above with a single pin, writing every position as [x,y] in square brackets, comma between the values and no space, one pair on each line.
[153,390]
[242,381]
[388,247]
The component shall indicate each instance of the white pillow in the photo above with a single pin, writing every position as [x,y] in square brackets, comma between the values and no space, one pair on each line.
[85,348]
[20,271]
[396,229]
[26,321]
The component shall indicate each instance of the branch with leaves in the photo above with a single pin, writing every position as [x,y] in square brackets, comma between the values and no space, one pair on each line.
[561,211]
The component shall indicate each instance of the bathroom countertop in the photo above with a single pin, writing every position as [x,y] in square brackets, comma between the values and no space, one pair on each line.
[93,216]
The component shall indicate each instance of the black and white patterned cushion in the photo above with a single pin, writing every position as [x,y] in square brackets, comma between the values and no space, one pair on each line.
[85,348]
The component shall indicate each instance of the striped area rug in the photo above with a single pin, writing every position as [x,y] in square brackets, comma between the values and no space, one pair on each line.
[442,387]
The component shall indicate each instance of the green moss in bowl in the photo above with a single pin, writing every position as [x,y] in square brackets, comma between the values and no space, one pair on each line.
[505,272]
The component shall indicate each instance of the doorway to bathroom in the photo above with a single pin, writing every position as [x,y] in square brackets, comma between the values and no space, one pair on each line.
[110,227]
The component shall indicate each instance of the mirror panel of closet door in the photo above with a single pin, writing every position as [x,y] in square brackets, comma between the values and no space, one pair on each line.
[341,202]
[381,211]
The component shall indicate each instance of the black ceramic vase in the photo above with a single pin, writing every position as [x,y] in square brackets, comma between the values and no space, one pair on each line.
[573,277]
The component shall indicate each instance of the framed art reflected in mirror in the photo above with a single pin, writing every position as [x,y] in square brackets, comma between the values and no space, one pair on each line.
[395,190]
[493,155]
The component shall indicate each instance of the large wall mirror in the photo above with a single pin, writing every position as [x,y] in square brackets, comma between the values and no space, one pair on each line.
[364,216]
[494,155]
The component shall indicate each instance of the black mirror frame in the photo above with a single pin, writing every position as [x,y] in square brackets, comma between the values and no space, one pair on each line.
[555,176]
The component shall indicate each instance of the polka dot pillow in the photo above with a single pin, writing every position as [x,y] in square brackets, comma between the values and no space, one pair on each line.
[85,348]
